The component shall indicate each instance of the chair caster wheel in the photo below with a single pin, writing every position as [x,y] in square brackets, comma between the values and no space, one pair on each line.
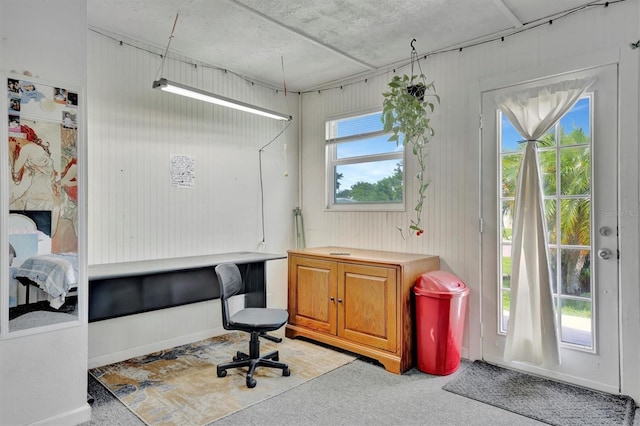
[286,372]
[251,382]
[222,373]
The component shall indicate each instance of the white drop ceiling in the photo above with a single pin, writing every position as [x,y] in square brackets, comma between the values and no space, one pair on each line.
[319,41]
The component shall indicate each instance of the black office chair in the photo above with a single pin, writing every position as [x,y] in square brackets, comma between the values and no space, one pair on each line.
[252,320]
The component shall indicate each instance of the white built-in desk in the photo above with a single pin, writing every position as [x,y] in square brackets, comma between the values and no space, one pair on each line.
[128,288]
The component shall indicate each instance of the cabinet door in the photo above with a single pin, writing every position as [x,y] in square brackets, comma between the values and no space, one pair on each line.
[312,293]
[367,305]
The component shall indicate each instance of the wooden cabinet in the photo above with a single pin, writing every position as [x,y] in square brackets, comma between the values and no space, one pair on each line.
[358,300]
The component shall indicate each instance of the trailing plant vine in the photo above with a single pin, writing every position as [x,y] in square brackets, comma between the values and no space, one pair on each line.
[406,113]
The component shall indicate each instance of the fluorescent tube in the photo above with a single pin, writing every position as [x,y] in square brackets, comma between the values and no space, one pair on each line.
[191,92]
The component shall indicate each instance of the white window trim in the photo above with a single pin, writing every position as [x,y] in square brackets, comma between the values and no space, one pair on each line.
[331,161]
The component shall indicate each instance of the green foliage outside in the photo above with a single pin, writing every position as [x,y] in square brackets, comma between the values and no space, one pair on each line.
[573,308]
[575,212]
[386,189]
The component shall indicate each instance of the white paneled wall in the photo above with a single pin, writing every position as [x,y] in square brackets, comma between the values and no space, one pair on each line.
[136,214]
[450,212]
[44,375]
[451,209]
[133,130]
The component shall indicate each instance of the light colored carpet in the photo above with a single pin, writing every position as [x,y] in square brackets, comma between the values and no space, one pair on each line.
[358,393]
[541,399]
[179,386]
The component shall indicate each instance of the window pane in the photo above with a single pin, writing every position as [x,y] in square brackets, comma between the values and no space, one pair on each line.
[576,272]
[363,166]
[576,322]
[369,146]
[576,221]
[565,169]
[550,214]
[506,266]
[507,220]
[548,140]
[575,171]
[510,136]
[548,171]
[354,126]
[575,125]
[374,181]
[553,262]
[505,301]
[510,170]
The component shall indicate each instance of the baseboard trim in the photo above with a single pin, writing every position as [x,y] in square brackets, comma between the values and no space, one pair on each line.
[111,358]
[73,417]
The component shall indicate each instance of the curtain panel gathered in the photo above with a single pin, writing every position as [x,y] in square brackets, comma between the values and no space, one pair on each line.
[532,334]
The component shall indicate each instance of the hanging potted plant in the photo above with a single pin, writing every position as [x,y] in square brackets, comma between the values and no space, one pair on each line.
[406,113]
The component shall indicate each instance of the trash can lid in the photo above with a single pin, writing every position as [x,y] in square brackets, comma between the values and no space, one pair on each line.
[440,284]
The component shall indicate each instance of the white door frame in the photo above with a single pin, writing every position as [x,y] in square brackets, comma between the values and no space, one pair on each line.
[597,368]
[563,66]
[629,152]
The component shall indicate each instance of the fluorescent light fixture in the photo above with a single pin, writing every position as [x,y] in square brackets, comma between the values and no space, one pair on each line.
[191,92]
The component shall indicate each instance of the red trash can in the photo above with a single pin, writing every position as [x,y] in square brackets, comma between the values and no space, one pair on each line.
[441,304]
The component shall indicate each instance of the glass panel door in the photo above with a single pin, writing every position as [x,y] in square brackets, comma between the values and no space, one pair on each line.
[565,166]
[578,169]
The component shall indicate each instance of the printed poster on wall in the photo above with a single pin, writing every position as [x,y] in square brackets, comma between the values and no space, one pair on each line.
[42,198]
[183,171]
[43,165]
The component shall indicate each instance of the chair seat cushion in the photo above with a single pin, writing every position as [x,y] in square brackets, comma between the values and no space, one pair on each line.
[263,319]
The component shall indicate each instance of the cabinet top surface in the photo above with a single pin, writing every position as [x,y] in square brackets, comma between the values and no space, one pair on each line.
[352,254]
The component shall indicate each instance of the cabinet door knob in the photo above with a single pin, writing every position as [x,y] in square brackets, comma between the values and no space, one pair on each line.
[339,300]
[332,298]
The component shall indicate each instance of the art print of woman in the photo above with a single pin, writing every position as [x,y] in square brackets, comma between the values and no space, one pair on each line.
[30,158]
[65,238]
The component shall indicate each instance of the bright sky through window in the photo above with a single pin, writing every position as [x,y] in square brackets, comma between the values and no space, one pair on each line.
[362,164]
[577,117]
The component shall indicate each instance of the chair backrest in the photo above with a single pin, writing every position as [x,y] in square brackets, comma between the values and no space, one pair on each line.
[230,282]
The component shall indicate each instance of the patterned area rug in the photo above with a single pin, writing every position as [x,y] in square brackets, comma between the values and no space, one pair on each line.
[179,386]
[545,400]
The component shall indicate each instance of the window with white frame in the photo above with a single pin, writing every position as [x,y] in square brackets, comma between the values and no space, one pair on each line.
[364,170]
[565,165]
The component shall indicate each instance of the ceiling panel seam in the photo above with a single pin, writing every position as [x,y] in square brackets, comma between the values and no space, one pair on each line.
[508,13]
[303,35]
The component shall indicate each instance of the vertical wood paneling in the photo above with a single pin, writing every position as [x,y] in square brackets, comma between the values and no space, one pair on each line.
[451,212]
[135,214]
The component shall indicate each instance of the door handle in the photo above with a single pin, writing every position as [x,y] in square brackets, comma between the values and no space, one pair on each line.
[604,253]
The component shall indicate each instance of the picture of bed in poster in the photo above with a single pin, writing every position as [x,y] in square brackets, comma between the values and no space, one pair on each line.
[43,156]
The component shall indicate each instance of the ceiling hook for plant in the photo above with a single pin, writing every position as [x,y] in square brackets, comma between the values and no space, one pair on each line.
[414,57]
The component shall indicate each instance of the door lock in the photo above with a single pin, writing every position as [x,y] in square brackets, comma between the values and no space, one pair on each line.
[605,231]
[604,253]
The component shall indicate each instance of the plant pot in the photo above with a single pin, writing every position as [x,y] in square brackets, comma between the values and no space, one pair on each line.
[417,91]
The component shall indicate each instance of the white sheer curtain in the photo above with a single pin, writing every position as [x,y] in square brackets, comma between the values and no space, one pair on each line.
[532,334]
